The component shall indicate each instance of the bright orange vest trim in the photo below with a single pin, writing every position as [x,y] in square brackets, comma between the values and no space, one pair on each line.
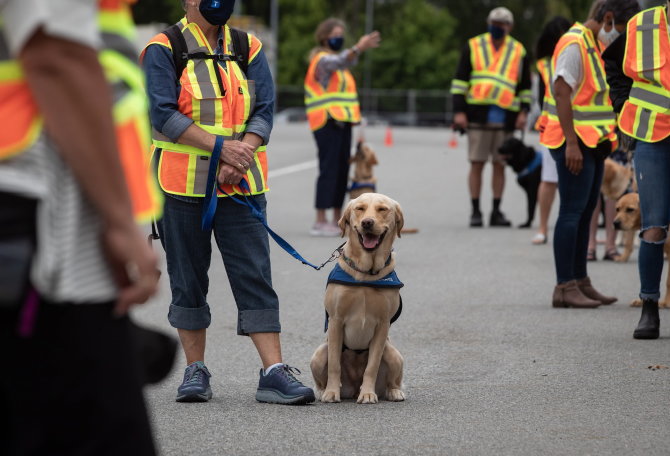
[646,113]
[339,100]
[545,71]
[182,169]
[593,117]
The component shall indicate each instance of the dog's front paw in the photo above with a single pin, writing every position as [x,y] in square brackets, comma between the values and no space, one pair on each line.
[367,398]
[621,258]
[395,395]
[330,396]
[663,303]
[636,303]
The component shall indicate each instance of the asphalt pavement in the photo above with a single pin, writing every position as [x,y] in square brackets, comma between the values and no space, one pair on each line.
[490,366]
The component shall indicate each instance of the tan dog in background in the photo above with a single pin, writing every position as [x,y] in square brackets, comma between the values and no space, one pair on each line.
[616,179]
[363,160]
[628,219]
[358,359]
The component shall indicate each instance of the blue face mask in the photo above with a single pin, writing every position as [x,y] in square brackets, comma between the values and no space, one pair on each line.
[336,43]
[496,32]
[217,12]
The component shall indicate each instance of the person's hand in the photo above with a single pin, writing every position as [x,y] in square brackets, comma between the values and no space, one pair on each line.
[369,41]
[229,175]
[460,121]
[521,120]
[574,160]
[132,262]
[238,154]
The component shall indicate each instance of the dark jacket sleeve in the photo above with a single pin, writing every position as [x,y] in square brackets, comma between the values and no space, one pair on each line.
[619,83]
[524,86]
[462,76]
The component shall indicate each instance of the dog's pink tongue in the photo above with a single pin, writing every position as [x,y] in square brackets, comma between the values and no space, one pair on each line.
[370,241]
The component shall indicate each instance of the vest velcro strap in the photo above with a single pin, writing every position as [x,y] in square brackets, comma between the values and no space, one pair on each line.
[339,99]
[650,99]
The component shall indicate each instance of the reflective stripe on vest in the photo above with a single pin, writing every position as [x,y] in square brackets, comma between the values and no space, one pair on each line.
[495,73]
[338,100]
[593,116]
[646,112]
[546,73]
[19,116]
[183,169]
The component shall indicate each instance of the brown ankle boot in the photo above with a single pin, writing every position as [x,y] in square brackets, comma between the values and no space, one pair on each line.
[568,295]
[587,290]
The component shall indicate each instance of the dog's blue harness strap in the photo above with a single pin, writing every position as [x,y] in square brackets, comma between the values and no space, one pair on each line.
[532,166]
[339,275]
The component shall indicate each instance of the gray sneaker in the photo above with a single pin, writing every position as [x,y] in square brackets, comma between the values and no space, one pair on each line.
[280,386]
[195,387]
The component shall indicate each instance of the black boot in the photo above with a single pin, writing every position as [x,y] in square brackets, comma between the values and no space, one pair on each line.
[499,219]
[649,323]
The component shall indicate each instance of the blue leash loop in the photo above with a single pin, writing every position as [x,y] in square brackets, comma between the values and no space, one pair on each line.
[209,208]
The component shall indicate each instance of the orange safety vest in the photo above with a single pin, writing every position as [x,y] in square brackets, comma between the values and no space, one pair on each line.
[183,169]
[593,117]
[338,100]
[19,116]
[646,113]
[496,73]
[19,112]
[119,61]
[547,75]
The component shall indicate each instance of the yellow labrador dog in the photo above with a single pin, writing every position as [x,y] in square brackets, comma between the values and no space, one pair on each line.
[362,299]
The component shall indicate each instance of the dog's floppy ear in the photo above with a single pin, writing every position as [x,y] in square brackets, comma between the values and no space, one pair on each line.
[344,220]
[373,158]
[399,219]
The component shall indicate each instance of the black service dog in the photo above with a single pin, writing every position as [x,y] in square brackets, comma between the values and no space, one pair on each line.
[527,164]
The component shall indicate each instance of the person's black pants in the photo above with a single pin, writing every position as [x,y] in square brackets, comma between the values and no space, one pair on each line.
[334,144]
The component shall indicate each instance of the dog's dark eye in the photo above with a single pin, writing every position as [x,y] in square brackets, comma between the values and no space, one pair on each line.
[630,209]
[360,208]
[382,209]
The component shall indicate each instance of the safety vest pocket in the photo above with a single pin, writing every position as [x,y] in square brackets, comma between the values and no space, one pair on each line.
[246,102]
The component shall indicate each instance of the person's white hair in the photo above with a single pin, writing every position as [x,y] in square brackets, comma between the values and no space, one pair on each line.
[501,14]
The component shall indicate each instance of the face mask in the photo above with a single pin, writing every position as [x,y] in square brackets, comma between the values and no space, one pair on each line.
[217,12]
[336,43]
[496,32]
[608,37]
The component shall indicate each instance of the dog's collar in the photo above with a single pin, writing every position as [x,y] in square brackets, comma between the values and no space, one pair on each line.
[352,265]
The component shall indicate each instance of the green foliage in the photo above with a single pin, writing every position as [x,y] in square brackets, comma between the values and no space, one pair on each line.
[165,11]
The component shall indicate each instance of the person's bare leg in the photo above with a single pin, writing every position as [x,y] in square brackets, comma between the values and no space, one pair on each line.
[593,230]
[545,195]
[321,216]
[610,213]
[337,214]
[268,346]
[193,344]
[498,182]
[475,179]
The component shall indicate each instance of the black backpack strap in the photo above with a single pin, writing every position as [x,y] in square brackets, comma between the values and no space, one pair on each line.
[241,48]
[179,48]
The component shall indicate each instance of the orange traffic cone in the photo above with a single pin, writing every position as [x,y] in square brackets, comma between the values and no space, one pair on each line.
[388,139]
[453,141]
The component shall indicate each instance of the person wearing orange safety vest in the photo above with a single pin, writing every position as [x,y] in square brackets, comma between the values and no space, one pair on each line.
[491,98]
[579,132]
[544,49]
[211,94]
[638,70]
[73,259]
[331,103]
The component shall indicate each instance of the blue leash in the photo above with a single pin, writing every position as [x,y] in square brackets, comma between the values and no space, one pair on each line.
[209,209]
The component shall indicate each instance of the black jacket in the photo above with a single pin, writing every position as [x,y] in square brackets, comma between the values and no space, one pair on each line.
[619,83]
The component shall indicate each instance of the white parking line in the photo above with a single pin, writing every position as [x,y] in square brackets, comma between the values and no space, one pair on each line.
[292,169]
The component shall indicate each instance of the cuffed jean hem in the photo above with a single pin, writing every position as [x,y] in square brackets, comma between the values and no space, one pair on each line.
[258,321]
[189,318]
[652,296]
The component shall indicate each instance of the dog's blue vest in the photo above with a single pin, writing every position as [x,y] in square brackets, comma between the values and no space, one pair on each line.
[391,280]
[532,166]
[357,185]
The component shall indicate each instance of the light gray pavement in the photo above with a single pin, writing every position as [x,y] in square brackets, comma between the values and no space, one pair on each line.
[490,368]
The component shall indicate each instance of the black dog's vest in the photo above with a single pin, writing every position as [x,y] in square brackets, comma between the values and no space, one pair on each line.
[391,280]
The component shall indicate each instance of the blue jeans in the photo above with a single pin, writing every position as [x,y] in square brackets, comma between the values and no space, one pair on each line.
[652,169]
[243,243]
[579,196]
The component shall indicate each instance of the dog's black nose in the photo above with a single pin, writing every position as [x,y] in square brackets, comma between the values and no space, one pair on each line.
[367,223]
[617,224]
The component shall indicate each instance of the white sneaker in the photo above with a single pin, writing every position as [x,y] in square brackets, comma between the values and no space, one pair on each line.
[324,229]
